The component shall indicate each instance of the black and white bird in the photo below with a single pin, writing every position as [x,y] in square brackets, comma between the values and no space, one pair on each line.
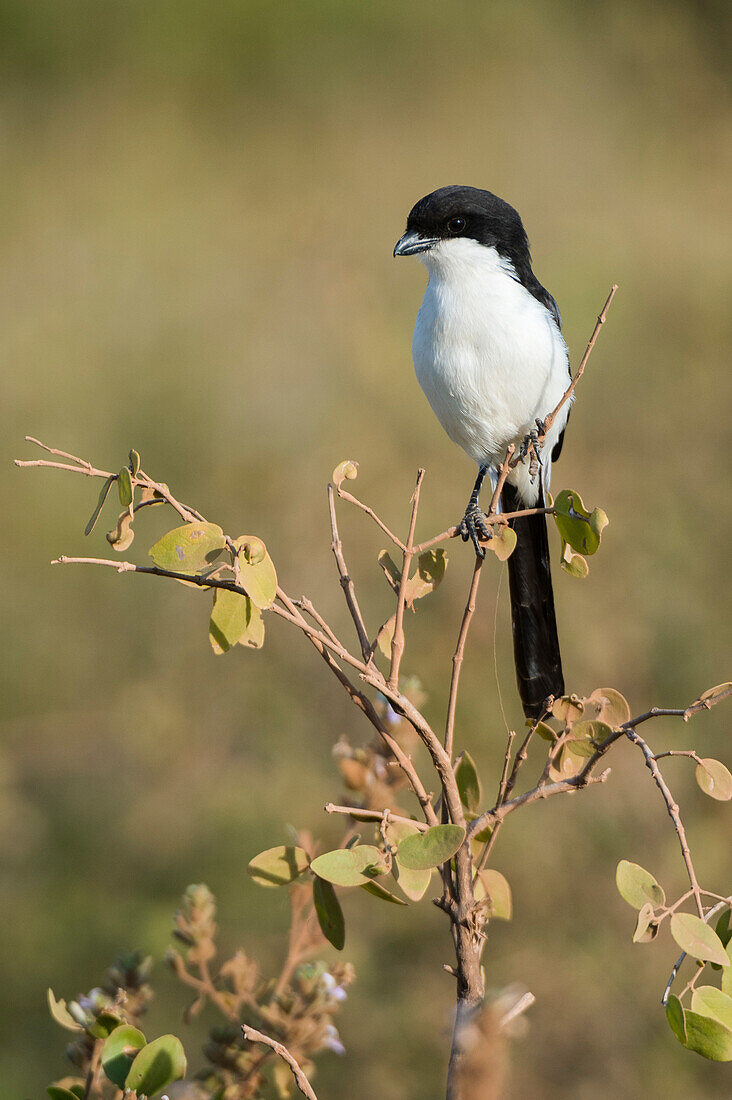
[489,354]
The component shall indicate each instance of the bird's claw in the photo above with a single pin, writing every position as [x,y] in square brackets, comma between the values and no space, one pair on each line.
[474,527]
[531,448]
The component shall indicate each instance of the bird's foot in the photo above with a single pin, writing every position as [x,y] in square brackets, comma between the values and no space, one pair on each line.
[531,449]
[474,527]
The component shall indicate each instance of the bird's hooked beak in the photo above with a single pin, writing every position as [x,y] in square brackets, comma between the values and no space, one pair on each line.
[412,243]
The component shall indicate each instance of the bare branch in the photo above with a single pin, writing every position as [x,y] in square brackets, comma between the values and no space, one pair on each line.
[602,317]
[345,495]
[347,585]
[281,1051]
[673,811]
[373,815]
[457,660]
[397,642]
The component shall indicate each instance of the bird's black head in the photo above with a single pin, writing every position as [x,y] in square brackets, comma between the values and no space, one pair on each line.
[468,212]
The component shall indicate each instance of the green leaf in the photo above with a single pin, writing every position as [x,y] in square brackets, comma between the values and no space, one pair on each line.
[188,549]
[380,891]
[329,913]
[545,732]
[612,707]
[124,487]
[492,885]
[712,694]
[708,1037]
[121,538]
[675,1017]
[573,564]
[727,980]
[707,1000]
[229,619]
[468,782]
[593,733]
[714,779]
[104,1025]
[100,504]
[278,866]
[697,939]
[484,834]
[134,462]
[253,636]
[503,542]
[412,883]
[60,1012]
[119,1052]
[157,1065]
[430,849]
[256,571]
[578,527]
[638,886]
[348,866]
[722,927]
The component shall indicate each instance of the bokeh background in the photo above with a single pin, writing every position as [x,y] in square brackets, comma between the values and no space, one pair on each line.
[199,206]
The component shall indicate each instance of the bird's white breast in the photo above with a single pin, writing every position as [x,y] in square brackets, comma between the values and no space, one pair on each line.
[489,356]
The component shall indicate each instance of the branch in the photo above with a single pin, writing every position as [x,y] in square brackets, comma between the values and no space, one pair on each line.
[254,1036]
[673,811]
[457,660]
[373,815]
[347,585]
[549,420]
[397,642]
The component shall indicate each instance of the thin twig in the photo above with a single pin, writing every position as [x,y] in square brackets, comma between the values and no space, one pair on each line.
[499,519]
[254,1036]
[347,585]
[373,815]
[549,420]
[457,660]
[673,811]
[344,495]
[397,641]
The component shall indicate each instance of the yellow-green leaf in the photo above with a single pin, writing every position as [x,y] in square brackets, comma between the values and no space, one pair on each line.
[638,886]
[573,564]
[714,779]
[278,866]
[229,619]
[119,1052]
[697,939]
[707,1000]
[431,848]
[100,504]
[675,1017]
[503,542]
[578,527]
[158,1064]
[124,485]
[190,548]
[344,471]
[256,572]
[468,782]
[329,913]
[60,1012]
[380,891]
[708,1037]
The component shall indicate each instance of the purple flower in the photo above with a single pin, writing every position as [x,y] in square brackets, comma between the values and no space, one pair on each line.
[332,1040]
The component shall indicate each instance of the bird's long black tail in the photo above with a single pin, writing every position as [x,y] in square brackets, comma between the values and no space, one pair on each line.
[535,640]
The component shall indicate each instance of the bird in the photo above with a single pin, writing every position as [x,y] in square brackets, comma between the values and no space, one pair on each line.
[490,357]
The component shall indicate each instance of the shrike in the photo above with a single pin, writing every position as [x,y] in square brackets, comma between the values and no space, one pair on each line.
[489,354]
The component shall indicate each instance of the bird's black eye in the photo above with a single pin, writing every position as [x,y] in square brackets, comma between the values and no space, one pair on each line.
[455,226]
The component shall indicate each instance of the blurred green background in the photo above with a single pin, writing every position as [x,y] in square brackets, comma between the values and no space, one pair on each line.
[199,207]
